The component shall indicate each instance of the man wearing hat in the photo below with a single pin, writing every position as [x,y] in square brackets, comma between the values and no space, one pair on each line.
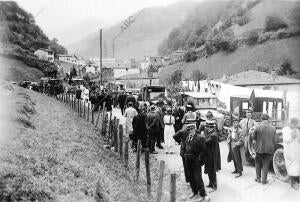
[193,152]
[139,127]
[212,155]
[236,140]
[265,136]
[152,125]
[121,100]
[131,99]
[246,125]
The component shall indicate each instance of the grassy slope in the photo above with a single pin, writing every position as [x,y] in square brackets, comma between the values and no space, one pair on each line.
[270,54]
[263,9]
[15,70]
[63,159]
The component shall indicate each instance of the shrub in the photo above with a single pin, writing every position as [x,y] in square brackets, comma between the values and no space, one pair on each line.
[274,23]
[190,56]
[242,20]
[252,38]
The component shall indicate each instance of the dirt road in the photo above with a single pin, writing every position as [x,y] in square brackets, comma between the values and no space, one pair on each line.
[230,189]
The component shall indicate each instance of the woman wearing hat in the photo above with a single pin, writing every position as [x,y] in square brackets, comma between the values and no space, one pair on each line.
[169,131]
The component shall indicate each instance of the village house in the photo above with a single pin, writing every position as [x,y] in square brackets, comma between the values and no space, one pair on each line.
[154,61]
[74,59]
[45,54]
[177,56]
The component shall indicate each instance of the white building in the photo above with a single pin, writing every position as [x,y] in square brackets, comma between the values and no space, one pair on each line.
[74,59]
[45,54]
[261,80]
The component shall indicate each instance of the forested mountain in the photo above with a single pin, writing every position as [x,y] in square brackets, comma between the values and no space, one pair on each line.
[19,33]
[19,38]
[150,27]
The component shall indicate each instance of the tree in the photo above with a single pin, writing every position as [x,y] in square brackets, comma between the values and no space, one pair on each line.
[73,72]
[197,76]
[274,23]
[252,38]
[174,82]
[285,69]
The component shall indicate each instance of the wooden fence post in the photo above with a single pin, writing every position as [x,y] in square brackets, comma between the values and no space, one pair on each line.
[84,109]
[173,188]
[160,180]
[121,142]
[97,120]
[148,173]
[138,160]
[92,113]
[88,112]
[126,155]
[78,106]
[116,142]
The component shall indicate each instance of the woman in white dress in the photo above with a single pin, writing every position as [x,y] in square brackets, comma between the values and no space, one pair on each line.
[291,143]
[169,131]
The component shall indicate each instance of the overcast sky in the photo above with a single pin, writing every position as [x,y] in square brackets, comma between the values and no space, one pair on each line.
[54,15]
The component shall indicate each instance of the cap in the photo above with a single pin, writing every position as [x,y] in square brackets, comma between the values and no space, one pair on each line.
[235,119]
[265,117]
[152,108]
[191,126]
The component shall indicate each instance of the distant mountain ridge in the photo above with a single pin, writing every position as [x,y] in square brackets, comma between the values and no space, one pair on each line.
[142,37]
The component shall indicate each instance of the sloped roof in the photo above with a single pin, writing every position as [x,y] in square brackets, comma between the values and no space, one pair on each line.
[253,77]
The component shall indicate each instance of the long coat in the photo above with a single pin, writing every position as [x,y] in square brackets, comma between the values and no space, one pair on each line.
[139,128]
[212,154]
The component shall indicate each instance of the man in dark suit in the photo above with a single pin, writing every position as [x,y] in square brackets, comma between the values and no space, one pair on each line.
[194,152]
[121,101]
[264,136]
[132,99]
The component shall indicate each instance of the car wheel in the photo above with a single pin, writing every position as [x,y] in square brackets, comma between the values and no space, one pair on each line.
[279,165]
[248,156]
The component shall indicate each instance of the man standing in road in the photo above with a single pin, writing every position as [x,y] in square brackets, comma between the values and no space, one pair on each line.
[152,125]
[130,113]
[246,125]
[131,99]
[194,159]
[264,136]
[213,157]
[236,140]
[121,101]
[139,127]
[178,114]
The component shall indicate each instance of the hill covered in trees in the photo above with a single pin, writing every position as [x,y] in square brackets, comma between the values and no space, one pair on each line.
[20,37]
[227,37]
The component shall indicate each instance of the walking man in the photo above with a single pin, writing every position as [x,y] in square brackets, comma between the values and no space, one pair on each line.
[264,136]
[194,159]
[139,127]
[121,101]
[178,114]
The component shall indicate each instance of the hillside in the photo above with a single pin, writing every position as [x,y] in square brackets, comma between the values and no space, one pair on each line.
[237,36]
[143,36]
[19,38]
[266,55]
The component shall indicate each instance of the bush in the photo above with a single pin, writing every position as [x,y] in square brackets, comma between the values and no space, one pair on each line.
[252,38]
[242,20]
[190,56]
[274,23]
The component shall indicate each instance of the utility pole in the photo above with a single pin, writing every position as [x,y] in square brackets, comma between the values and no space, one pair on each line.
[101,73]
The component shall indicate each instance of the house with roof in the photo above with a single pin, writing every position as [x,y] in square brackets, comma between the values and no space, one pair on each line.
[262,80]
[177,56]
[45,54]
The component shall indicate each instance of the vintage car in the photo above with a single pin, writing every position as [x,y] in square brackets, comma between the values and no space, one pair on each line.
[152,93]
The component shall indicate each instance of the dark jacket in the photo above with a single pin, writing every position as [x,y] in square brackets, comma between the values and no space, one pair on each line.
[139,126]
[212,154]
[264,135]
[152,122]
[122,99]
[108,102]
[180,138]
[195,149]
[132,99]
